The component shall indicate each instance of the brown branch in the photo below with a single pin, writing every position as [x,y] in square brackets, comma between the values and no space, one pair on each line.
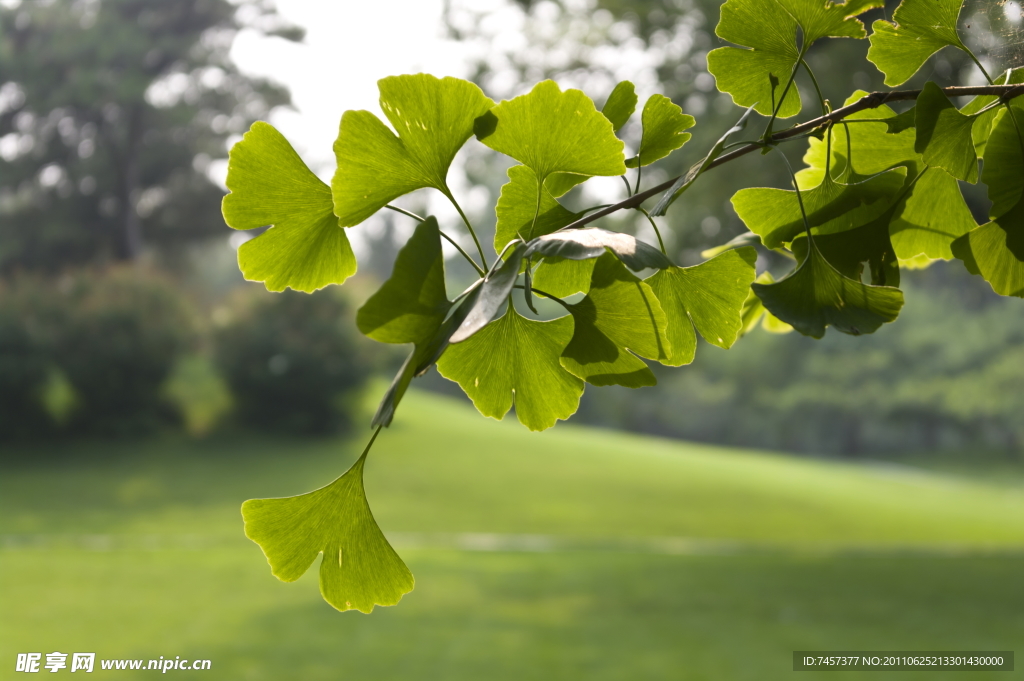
[871,101]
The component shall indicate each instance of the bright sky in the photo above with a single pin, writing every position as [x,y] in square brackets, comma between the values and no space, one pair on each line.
[349,45]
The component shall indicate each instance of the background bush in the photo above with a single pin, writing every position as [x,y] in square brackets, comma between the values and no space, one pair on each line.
[292,362]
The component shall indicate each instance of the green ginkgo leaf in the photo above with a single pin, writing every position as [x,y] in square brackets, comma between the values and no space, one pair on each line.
[767,35]
[514,360]
[944,135]
[985,122]
[1004,163]
[517,208]
[562,278]
[551,131]
[411,305]
[359,569]
[995,252]
[619,319]
[433,118]
[491,295]
[620,105]
[663,125]
[305,248]
[920,29]
[932,211]
[816,295]
[753,311]
[849,252]
[768,28]
[831,207]
[708,297]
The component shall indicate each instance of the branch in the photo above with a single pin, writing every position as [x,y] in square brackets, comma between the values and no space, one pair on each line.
[871,101]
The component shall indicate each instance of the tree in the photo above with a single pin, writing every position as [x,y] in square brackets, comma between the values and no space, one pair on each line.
[110,112]
[880,190]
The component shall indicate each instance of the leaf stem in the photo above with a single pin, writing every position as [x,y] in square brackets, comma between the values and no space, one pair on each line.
[452,241]
[767,135]
[661,243]
[472,232]
[373,438]
[629,190]
[821,100]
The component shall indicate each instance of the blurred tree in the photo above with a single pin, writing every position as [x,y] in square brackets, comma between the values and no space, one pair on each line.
[110,113]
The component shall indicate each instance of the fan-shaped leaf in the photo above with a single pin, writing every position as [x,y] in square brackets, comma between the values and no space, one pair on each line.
[663,126]
[753,311]
[305,249]
[984,123]
[816,295]
[563,278]
[708,297]
[620,105]
[620,316]
[517,207]
[944,135]
[552,131]
[821,18]
[359,569]
[433,118]
[920,29]
[516,360]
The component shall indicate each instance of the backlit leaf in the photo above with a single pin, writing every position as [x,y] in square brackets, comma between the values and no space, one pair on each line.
[944,135]
[815,295]
[552,131]
[433,118]
[491,295]
[753,311]
[620,105]
[920,28]
[305,249]
[989,251]
[831,207]
[984,123]
[517,206]
[563,278]
[821,18]
[708,297]
[663,126]
[411,305]
[514,360]
[619,319]
[359,569]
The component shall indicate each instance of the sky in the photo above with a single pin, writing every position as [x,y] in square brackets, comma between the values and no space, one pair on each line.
[349,45]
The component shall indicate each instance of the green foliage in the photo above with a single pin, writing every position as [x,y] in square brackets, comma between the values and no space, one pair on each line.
[920,28]
[270,185]
[359,569]
[880,191]
[292,363]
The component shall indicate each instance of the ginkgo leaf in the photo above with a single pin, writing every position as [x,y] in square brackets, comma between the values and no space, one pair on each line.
[995,251]
[563,278]
[848,252]
[663,125]
[582,244]
[985,122]
[930,217]
[767,35]
[815,295]
[516,360]
[558,184]
[619,319]
[821,18]
[944,135]
[768,29]
[932,211]
[708,297]
[517,207]
[739,241]
[305,249]
[920,29]
[620,105]
[551,131]
[1004,163]
[359,569]
[411,305]
[753,311]
[831,207]
[433,118]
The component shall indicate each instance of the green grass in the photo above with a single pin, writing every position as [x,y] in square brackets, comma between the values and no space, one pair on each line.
[138,552]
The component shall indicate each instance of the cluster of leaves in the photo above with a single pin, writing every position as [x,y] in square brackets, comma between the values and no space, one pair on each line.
[880,190]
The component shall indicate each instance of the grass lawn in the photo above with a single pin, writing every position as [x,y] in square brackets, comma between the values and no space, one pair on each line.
[573,554]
